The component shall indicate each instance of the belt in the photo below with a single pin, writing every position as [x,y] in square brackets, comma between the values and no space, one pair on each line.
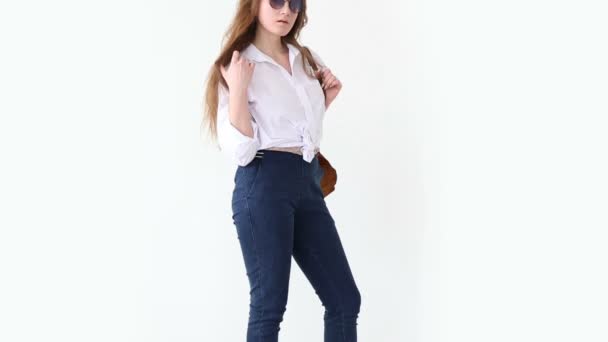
[292,149]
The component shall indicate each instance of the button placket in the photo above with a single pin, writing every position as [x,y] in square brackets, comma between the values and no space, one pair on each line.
[305,101]
[308,137]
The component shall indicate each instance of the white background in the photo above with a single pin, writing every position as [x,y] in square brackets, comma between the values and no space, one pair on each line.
[469,138]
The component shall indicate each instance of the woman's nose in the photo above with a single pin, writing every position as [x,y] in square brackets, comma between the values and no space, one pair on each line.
[285,8]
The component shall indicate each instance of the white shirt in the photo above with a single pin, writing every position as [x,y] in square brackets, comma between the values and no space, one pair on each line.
[287,110]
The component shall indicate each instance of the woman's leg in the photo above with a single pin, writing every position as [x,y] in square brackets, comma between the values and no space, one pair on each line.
[264,223]
[318,251]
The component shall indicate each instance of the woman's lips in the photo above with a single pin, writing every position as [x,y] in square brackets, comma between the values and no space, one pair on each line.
[282,22]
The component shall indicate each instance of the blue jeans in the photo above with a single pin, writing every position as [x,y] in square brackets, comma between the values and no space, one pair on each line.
[279,212]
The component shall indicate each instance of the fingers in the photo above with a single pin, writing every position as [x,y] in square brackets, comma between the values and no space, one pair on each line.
[328,79]
[335,83]
[326,72]
[236,57]
[323,71]
[235,60]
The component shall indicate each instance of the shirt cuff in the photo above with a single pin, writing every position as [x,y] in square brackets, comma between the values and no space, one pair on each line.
[240,147]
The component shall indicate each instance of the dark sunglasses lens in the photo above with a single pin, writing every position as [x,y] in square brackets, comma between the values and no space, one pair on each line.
[295,5]
[277,4]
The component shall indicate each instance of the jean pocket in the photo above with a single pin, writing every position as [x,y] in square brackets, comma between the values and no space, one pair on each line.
[245,179]
[255,177]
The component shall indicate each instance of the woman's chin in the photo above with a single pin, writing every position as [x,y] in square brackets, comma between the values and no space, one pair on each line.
[281,32]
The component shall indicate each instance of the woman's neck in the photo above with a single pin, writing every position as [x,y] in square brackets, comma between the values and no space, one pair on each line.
[269,43]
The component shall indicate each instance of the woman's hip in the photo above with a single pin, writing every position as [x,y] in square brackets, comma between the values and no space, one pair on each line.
[276,174]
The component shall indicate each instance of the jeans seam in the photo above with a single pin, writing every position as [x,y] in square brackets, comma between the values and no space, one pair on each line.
[340,304]
[255,178]
[257,259]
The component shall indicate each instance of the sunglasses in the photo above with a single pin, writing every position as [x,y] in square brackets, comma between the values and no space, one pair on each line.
[294,5]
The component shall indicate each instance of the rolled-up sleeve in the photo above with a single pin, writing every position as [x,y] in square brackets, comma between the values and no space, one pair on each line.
[239,147]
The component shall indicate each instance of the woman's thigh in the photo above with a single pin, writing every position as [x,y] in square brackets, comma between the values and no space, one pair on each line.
[264,222]
[319,252]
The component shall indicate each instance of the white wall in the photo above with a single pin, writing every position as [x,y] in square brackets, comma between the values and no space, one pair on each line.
[469,139]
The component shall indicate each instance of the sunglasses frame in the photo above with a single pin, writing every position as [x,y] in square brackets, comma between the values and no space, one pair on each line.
[300,2]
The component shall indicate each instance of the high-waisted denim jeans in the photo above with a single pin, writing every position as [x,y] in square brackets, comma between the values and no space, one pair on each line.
[279,212]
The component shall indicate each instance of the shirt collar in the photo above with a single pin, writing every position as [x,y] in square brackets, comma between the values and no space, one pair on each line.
[253,53]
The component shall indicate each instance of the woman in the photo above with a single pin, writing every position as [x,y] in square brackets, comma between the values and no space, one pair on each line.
[266,108]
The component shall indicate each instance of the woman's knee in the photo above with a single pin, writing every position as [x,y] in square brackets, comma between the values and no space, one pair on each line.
[349,304]
[354,302]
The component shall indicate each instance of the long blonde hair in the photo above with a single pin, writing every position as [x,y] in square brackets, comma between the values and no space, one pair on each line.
[240,33]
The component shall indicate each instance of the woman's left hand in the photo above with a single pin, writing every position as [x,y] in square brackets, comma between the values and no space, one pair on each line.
[331,84]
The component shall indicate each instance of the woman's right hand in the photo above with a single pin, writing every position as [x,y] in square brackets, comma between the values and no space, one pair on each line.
[239,72]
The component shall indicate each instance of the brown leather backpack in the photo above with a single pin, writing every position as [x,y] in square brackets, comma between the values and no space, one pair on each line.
[328,181]
[330,177]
